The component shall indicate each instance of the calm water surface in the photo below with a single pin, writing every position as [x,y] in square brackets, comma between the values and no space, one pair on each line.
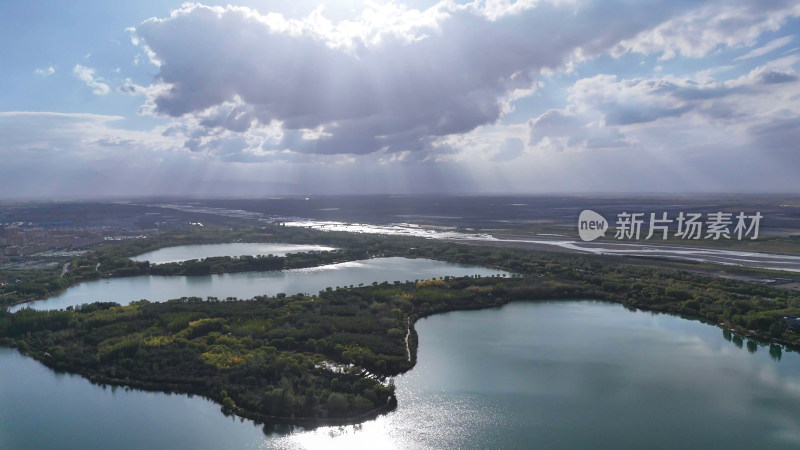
[249,284]
[569,374]
[187,252]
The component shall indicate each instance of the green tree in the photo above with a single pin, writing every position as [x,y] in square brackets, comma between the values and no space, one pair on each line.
[336,404]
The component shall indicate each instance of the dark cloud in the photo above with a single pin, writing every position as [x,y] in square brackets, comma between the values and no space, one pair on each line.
[256,104]
[777,77]
[684,89]
[629,114]
[397,95]
[695,91]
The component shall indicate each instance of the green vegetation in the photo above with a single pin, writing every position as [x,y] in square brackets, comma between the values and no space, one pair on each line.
[264,358]
[323,359]
[112,259]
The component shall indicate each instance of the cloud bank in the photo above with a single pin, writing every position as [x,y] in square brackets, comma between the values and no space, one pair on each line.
[396,86]
[494,96]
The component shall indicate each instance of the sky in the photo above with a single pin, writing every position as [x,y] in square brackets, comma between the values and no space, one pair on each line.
[267,98]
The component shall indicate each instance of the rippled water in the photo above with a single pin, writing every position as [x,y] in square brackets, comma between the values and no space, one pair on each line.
[580,375]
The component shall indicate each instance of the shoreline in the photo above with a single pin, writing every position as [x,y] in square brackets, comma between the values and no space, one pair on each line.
[392,402]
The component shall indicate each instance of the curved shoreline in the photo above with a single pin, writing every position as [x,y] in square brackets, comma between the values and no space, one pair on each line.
[254,416]
[392,402]
[573,278]
[111,277]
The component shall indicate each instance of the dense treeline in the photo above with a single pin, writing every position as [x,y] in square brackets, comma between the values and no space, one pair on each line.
[747,306]
[246,263]
[293,357]
[112,259]
[284,357]
[270,357]
[257,358]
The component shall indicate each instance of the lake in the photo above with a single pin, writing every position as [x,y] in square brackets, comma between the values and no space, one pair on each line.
[246,285]
[565,374]
[187,252]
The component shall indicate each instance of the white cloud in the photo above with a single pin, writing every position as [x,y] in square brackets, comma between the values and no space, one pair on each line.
[565,129]
[689,123]
[704,29]
[72,133]
[48,154]
[394,79]
[449,98]
[86,74]
[765,49]
[766,88]
[509,150]
[53,154]
[46,72]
